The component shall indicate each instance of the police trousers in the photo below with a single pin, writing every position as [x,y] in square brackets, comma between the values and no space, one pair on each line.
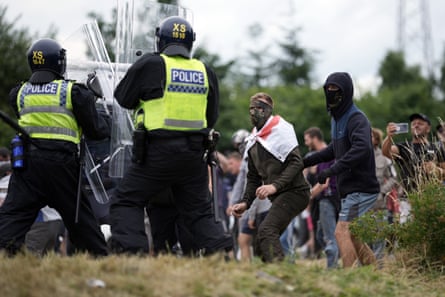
[49,178]
[175,163]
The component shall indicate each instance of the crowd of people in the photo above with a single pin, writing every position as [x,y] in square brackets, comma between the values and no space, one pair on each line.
[269,201]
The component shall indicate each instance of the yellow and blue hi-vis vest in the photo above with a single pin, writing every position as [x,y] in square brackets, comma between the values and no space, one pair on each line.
[46,111]
[184,103]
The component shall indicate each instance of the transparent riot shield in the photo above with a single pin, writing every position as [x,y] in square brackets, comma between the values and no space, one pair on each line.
[135,35]
[136,24]
[86,53]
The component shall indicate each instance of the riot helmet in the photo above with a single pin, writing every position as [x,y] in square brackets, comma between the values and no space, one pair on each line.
[175,36]
[47,60]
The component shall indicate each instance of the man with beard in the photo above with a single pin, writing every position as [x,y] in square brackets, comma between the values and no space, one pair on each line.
[354,166]
[418,160]
[275,171]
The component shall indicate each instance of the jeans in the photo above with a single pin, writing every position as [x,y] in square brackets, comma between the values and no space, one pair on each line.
[355,205]
[328,221]
[378,247]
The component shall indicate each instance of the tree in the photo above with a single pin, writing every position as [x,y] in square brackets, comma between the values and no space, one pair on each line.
[395,73]
[108,31]
[257,66]
[441,82]
[214,61]
[14,44]
[403,91]
[296,64]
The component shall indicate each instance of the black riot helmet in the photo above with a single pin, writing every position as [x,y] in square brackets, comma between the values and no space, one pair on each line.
[47,60]
[175,36]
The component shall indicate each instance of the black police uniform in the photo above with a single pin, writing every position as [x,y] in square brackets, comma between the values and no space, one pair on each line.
[173,159]
[50,177]
[167,226]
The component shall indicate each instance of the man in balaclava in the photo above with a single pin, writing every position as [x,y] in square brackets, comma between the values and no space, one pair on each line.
[354,166]
[275,171]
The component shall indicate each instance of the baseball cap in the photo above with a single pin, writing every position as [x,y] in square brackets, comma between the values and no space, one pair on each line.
[419,116]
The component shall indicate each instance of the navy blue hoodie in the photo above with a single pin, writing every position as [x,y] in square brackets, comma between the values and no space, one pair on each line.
[351,144]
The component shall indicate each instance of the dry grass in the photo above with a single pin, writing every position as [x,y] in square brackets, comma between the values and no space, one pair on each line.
[53,275]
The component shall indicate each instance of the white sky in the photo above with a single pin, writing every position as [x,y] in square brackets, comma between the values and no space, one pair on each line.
[349,35]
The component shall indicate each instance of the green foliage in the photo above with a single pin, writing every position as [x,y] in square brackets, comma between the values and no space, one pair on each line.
[296,63]
[395,73]
[108,31]
[441,82]
[403,91]
[214,61]
[14,44]
[422,237]
[424,234]
[372,227]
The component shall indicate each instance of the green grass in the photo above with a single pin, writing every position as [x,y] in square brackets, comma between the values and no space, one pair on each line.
[26,275]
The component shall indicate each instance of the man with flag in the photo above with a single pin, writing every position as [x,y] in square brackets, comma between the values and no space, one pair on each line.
[275,171]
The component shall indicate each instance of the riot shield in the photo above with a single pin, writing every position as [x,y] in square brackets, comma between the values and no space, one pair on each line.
[86,53]
[135,35]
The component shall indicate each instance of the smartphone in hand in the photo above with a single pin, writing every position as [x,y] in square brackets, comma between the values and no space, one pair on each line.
[402,128]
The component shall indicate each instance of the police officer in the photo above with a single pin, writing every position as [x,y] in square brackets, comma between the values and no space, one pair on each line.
[54,112]
[177,97]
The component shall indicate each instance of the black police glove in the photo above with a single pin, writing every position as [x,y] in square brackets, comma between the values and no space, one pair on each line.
[94,85]
[212,159]
[322,176]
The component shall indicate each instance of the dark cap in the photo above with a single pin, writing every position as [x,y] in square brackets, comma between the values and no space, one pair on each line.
[419,116]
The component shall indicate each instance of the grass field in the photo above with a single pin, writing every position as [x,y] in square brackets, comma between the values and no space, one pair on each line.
[76,276]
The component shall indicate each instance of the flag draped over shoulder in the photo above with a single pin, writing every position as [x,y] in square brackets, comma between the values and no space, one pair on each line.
[277,136]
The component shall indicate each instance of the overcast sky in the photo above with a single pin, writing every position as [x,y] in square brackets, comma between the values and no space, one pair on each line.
[348,35]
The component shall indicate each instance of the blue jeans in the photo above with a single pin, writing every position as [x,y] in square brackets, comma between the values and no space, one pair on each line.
[356,204]
[378,247]
[286,238]
[328,221]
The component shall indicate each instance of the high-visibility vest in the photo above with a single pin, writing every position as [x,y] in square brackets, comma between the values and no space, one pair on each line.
[184,103]
[46,111]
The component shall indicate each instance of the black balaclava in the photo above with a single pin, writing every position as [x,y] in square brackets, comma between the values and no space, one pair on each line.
[259,112]
[338,102]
